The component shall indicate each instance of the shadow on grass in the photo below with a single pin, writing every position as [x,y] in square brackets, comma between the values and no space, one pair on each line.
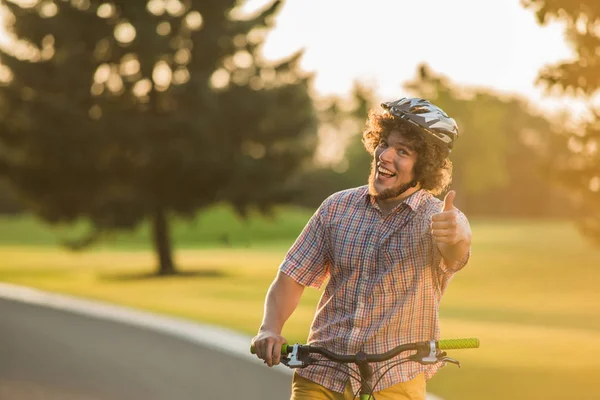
[151,275]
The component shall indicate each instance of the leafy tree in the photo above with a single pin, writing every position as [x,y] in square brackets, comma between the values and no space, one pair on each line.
[497,165]
[481,148]
[9,204]
[119,111]
[341,120]
[576,155]
[497,170]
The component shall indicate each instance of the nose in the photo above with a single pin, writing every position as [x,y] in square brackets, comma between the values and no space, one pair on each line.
[385,154]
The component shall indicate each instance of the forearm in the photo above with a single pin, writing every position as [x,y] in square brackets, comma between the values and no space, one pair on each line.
[282,299]
[454,253]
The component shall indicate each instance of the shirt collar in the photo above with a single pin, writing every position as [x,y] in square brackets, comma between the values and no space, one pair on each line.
[413,201]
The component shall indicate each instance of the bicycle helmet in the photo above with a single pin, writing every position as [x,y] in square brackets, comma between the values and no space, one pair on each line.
[427,117]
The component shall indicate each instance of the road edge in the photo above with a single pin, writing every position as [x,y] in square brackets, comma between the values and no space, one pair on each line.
[210,336]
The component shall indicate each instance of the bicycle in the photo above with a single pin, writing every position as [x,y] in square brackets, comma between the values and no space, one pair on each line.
[428,352]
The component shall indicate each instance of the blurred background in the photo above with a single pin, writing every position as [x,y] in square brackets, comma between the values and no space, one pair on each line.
[165,154]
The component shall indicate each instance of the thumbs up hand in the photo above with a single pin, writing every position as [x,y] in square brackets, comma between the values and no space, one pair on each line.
[449,200]
[447,227]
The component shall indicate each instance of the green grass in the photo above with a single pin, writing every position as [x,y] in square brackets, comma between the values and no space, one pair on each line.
[215,227]
[529,293]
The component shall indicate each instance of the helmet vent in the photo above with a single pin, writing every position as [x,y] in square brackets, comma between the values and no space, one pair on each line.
[420,110]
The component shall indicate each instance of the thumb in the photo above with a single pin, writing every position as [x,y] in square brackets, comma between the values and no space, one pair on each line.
[448,201]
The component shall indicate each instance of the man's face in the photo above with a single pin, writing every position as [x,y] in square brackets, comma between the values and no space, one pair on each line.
[392,168]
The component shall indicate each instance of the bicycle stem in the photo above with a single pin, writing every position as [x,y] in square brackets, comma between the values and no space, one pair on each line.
[366,373]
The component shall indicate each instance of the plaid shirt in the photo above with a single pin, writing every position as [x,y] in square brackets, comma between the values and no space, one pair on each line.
[385,279]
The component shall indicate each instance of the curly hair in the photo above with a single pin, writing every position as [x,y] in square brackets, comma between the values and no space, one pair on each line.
[433,169]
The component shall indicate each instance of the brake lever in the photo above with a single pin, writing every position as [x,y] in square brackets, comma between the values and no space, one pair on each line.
[297,358]
[284,360]
[450,360]
[433,356]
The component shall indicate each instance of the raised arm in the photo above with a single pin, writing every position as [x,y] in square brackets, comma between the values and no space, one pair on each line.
[452,233]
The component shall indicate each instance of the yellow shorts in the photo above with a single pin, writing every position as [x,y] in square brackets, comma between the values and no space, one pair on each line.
[304,389]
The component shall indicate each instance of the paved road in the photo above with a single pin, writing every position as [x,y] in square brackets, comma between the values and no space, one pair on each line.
[47,354]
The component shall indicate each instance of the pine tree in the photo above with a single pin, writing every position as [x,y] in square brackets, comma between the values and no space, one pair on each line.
[120,111]
[576,155]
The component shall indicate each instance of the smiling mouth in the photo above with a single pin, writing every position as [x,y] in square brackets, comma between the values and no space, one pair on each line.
[385,172]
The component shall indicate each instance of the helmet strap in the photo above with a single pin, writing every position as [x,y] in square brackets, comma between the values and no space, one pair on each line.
[408,185]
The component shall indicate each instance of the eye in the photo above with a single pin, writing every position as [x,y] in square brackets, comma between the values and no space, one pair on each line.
[402,152]
[383,143]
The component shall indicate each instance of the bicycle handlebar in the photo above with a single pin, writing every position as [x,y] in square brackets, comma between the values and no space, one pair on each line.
[451,344]
[447,344]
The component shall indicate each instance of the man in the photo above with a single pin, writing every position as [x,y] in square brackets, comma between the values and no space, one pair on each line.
[387,252]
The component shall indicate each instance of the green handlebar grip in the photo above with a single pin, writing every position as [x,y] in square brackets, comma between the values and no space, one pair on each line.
[448,344]
[284,349]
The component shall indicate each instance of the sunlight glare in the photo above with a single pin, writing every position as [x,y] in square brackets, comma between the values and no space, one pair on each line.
[162,75]
[5,39]
[6,74]
[164,28]
[193,20]
[181,76]
[102,73]
[130,65]
[115,83]
[243,59]
[183,56]
[504,53]
[156,7]
[106,10]
[142,87]
[220,78]
[174,7]
[48,10]
[124,32]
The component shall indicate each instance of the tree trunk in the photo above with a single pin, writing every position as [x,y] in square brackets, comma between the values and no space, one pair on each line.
[162,243]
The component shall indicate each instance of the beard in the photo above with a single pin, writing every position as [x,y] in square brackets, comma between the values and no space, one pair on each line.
[388,193]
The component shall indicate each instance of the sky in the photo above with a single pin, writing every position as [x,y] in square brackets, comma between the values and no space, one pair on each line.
[474,43]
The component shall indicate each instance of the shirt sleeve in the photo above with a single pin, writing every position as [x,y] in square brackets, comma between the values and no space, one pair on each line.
[308,261]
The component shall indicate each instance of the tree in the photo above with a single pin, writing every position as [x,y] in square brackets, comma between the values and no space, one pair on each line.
[497,167]
[120,111]
[346,165]
[576,155]
[9,204]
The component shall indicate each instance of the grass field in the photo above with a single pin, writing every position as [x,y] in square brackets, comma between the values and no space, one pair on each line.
[218,227]
[529,293]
